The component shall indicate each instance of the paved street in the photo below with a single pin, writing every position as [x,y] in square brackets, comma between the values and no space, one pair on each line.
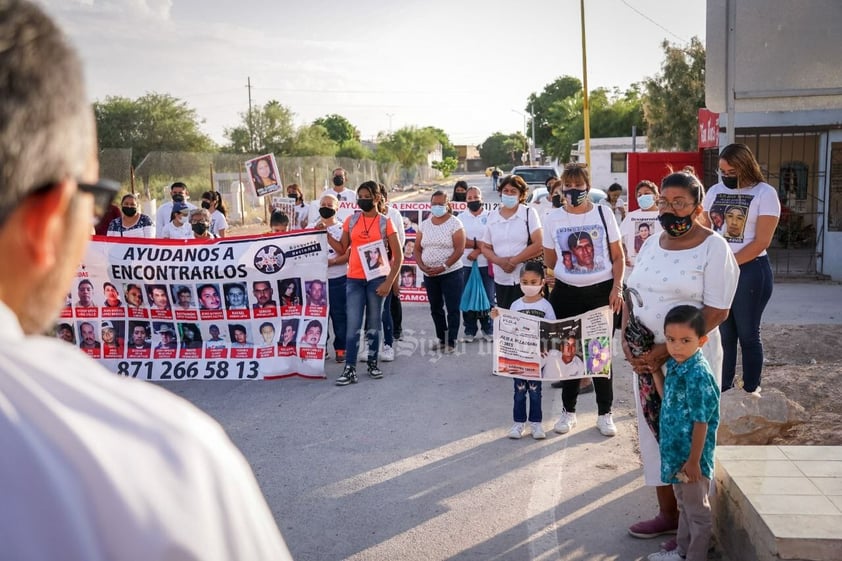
[416,466]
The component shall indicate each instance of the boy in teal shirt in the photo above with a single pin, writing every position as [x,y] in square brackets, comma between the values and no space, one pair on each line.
[689,419]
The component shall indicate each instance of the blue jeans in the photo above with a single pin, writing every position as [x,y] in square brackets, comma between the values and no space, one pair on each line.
[361,299]
[533,388]
[338,316]
[470,319]
[445,290]
[388,325]
[743,324]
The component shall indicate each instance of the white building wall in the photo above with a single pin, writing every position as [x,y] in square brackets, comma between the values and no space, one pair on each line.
[601,150]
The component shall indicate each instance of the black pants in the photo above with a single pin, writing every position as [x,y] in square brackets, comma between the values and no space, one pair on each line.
[570,301]
[507,294]
[397,316]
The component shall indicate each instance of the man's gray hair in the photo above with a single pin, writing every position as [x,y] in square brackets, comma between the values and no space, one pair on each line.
[46,122]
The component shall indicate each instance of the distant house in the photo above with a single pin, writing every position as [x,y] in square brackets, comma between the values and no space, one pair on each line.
[608,159]
[469,159]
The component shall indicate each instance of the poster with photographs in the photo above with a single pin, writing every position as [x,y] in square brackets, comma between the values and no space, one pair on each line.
[728,215]
[237,309]
[263,175]
[285,205]
[529,347]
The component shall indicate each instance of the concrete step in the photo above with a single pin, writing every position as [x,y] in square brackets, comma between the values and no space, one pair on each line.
[779,502]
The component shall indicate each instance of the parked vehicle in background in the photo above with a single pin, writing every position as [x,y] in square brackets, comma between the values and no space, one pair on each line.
[536,176]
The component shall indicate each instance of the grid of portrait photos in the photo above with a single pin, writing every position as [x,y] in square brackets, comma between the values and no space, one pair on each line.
[285,318]
[411,279]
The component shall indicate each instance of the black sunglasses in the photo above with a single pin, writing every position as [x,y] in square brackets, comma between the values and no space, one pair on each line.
[103,192]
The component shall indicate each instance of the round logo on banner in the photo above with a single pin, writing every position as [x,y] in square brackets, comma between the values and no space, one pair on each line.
[269,259]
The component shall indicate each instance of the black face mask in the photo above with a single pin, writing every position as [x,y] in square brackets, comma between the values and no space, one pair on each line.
[326,212]
[129,210]
[178,198]
[459,197]
[365,204]
[556,199]
[338,180]
[199,228]
[293,195]
[674,225]
[731,182]
[474,206]
[206,205]
[576,197]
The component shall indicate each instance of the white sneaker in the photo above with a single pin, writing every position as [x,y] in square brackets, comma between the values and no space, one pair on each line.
[488,336]
[606,425]
[665,556]
[516,431]
[387,354]
[566,422]
[537,431]
[467,338]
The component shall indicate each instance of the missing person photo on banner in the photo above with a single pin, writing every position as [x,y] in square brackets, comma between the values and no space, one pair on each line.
[263,175]
[374,258]
[189,312]
[529,347]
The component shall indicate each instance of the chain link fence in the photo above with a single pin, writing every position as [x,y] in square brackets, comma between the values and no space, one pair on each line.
[226,173]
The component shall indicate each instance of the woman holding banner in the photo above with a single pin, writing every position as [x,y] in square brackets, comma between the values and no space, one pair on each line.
[685,264]
[363,233]
[593,278]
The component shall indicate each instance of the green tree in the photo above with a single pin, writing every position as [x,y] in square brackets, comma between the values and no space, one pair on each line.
[408,146]
[153,122]
[355,150]
[446,166]
[541,104]
[312,140]
[674,96]
[502,150]
[447,148]
[338,128]
[613,113]
[269,129]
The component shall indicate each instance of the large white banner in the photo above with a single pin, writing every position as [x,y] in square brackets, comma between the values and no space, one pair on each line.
[530,347]
[237,308]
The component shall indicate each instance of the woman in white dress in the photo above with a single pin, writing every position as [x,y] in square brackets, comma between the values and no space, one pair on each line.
[686,264]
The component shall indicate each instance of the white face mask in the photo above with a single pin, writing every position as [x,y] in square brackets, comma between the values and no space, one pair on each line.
[530,289]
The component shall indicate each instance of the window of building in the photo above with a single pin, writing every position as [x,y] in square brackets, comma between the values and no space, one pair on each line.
[618,162]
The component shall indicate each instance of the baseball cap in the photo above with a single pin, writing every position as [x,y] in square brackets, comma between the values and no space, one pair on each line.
[179,207]
[107,325]
[165,329]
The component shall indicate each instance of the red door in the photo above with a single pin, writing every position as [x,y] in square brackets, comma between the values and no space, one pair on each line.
[654,166]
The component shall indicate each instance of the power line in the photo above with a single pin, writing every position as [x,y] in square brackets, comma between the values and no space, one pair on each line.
[641,14]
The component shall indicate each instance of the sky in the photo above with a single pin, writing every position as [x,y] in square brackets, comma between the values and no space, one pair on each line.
[465,66]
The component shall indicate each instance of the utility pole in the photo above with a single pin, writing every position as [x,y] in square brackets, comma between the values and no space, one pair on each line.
[251,126]
[585,107]
[533,151]
[390,115]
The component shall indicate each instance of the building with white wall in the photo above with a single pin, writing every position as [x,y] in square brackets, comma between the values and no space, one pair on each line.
[608,159]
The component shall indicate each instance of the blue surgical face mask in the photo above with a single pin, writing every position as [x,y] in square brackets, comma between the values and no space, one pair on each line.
[646,201]
[510,201]
[438,210]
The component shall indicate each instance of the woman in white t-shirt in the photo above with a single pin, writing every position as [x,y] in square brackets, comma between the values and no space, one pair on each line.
[513,235]
[747,210]
[642,223]
[178,228]
[439,244]
[582,246]
[213,203]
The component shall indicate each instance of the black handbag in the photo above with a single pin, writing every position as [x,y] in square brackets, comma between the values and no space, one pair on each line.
[639,337]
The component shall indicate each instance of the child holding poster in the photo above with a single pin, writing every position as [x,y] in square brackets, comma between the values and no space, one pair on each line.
[532,303]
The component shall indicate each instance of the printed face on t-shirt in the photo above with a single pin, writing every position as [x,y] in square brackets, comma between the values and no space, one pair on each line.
[583,251]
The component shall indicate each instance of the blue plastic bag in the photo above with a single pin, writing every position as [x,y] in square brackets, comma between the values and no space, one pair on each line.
[474,298]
